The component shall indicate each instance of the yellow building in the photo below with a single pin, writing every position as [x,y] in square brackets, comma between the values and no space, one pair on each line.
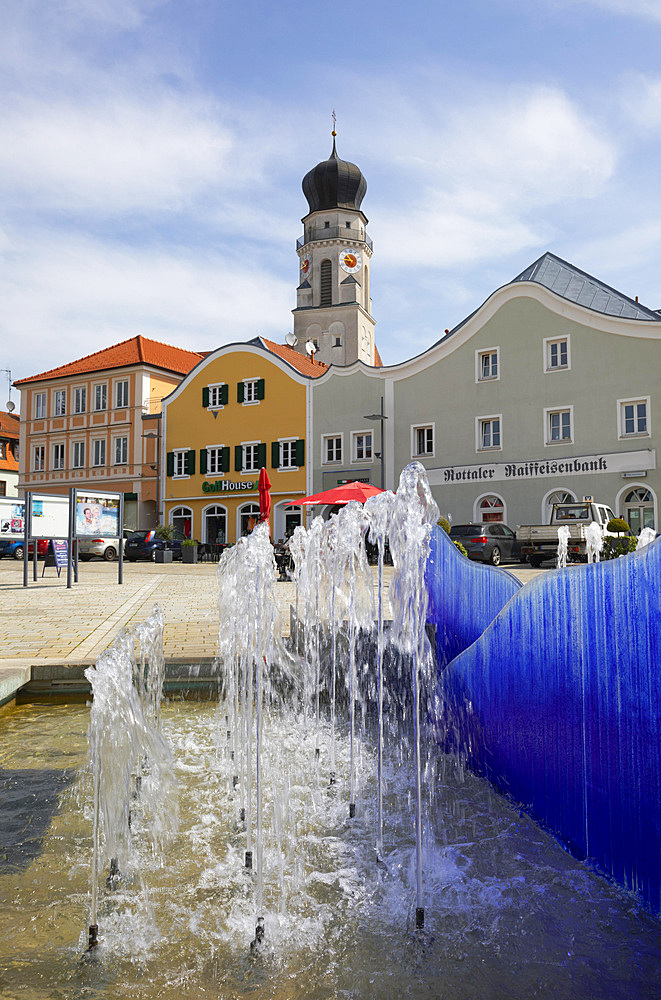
[243,407]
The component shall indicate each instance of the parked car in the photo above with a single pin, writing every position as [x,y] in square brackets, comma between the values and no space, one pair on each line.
[11,547]
[104,548]
[488,542]
[143,545]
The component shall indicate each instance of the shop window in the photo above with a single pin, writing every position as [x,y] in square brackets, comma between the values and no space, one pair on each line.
[491,508]
[248,518]
[214,528]
[181,518]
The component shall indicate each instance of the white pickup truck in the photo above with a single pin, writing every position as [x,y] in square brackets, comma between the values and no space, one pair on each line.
[540,541]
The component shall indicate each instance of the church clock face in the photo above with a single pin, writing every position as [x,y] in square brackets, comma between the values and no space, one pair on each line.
[306,265]
[350,261]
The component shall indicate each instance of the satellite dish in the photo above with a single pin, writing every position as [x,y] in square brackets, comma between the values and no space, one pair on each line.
[10,406]
[292,339]
[309,347]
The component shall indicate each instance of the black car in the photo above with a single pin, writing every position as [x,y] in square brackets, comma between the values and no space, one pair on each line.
[143,545]
[488,542]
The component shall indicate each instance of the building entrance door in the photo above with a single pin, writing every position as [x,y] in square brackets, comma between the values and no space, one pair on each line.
[639,509]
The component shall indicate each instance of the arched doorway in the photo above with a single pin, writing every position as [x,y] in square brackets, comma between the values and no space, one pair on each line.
[557,496]
[248,518]
[639,509]
[214,525]
[287,516]
[182,519]
[490,508]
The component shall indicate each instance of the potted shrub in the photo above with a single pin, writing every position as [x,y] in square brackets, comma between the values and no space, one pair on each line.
[620,542]
[166,533]
[189,551]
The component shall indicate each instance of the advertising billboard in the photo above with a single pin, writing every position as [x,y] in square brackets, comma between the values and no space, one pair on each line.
[50,516]
[12,514]
[97,514]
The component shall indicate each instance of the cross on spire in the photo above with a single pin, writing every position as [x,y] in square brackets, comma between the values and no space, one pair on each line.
[334,117]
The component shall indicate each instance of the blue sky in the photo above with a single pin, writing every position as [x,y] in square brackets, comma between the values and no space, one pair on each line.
[152,151]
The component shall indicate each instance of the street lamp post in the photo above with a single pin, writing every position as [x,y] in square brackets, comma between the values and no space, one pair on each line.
[381,417]
[157,435]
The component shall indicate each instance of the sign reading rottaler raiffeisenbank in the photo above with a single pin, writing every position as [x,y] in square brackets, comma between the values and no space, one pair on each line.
[547,468]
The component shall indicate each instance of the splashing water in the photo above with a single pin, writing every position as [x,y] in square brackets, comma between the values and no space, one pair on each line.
[563,545]
[594,539]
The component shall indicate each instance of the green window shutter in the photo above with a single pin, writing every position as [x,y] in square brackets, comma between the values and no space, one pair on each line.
[203,461]
[239,392]
[300,453]
[190,462]
[275,454]
[224,394]
[260,388]
[225,460]
[205,396]
[170,464]
[238,456]
[261,455]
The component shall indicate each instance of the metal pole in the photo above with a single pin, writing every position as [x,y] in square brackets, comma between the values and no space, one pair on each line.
[158,471]
[120,563]
[26,535]
[383,449]
[72,523]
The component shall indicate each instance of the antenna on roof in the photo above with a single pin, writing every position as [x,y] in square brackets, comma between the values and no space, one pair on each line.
[9,404]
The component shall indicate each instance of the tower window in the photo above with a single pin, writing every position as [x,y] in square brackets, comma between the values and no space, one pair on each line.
[326,225]
[326,285]
[348,225]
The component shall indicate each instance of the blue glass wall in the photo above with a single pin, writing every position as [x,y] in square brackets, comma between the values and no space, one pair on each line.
[464,596]
[559,703]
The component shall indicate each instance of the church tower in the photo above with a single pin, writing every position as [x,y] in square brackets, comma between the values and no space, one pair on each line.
[333,306]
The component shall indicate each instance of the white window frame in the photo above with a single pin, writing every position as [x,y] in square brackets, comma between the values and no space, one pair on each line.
[78,391]
[354,446]
[479,377]
[324,450]
[180,463]
[547,344]
[217,450]
[38,457]
[78,455]
[207,511]
[60,403]
[621,430]
[479,426]
[548,443]
[414,440]
[244,467]
[291,448]
[124,460]
[214,389]
[252,382]
[40,405]
[121,383]
[99,451]
[59,450]
[478,510]
[103,386]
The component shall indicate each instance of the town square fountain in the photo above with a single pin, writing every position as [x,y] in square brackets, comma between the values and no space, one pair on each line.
[324,827]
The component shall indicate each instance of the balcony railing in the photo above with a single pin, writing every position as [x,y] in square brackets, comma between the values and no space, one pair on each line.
[333,233]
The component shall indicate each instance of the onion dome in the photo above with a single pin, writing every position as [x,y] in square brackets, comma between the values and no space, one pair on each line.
[334,183]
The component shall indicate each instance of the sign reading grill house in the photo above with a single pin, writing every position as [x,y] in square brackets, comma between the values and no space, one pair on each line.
[226,486]
[621,461]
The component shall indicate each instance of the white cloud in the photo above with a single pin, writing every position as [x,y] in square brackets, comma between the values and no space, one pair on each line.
[632,8]
[487,168]
[66,297]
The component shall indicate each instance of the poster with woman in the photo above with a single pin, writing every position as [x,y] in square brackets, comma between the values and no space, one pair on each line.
[97,514]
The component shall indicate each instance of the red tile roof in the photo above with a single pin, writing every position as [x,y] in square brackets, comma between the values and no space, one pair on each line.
[9,424]
[378,363]
[136,350]
[9,432]
[301,362]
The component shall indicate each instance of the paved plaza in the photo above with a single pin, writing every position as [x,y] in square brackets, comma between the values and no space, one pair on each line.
[48,624]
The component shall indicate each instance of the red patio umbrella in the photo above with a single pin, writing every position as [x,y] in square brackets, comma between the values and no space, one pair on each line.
[342,494]
[264,488]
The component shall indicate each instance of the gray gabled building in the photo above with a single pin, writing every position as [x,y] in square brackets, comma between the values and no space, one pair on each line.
[549,390]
